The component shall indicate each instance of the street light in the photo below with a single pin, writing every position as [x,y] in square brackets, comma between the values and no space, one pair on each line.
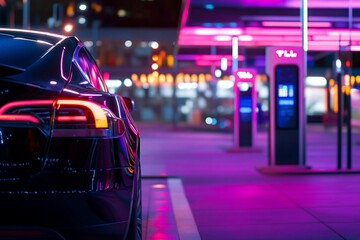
[83,7]
[68,28]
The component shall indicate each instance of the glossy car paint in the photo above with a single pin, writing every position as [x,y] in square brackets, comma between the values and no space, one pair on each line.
[69,150]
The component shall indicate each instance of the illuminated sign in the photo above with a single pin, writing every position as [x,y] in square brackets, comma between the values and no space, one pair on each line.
[286,54]
[245,75]
[245,109]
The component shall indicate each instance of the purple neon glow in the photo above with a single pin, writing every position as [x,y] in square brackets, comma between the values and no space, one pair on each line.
[217,31]
[185,12]
[214,57]
[205,57]
[295,24]
[322,39]
[61,65]
[287,3]
[208,60]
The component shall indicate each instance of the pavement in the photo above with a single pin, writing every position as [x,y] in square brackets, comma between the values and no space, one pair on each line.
[195,188]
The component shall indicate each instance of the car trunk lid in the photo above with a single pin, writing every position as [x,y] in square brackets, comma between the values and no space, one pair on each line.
[25,114]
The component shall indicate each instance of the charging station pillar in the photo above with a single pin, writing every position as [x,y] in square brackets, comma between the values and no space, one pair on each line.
[244,108]
[285,68]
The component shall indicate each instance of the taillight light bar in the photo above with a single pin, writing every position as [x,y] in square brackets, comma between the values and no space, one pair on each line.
[21,104]
[96,110]
[9,112]
[19,118]
[69,117]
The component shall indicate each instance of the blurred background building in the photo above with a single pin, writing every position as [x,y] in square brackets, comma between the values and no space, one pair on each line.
[173,57]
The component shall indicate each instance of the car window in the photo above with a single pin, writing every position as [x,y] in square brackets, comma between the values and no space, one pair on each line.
[90,70]
[20,52]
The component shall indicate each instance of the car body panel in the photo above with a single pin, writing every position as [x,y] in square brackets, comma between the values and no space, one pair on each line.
[69,150]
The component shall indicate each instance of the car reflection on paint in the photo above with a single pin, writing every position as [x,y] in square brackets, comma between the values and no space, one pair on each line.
[69,150]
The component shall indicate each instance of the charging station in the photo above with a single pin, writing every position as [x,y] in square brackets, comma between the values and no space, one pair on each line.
[285,68]
[244,108]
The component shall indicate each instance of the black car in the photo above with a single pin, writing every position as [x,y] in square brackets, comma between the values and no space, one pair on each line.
[69,149]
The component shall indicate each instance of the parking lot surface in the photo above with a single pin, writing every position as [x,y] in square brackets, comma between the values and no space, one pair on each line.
[195,188]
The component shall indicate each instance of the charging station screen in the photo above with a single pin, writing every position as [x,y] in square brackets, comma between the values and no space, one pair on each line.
[287,107]
[245,102]
[245,109]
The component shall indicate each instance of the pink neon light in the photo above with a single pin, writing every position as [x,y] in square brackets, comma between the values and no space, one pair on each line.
[295,24]
[272,31]
[322,4]
[323,48]
[269,39]
[96,110]
[276,37]
[286,53]
[217,31]
[106,76]
[335,38]
[245,75]
[222,38]
[292,38]
[328,43]
[207,31]
[344,33]
[19,118]
[214,60]
[201,41]
[193,57]
[355,48]
[207,63]
[213,57]
[246,38]
[188,40]
[273,41]
[291,3]
[61,65]
[185,12]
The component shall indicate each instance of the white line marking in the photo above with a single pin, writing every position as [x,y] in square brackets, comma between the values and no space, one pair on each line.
[184,218]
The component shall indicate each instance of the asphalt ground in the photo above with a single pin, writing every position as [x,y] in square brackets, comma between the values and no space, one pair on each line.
[195,188]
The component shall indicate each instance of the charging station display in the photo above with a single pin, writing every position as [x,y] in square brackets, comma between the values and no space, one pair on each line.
[245,102]
[244,108]
[287,110]
[285,67]
[245,115]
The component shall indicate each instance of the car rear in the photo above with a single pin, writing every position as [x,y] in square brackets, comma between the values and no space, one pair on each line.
[67,159]
[25,108]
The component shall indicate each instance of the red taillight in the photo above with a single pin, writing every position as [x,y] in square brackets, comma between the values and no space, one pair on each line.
[19,118]
[22,104]
[30,111]
[66,116]
[81,111]
[71,118]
